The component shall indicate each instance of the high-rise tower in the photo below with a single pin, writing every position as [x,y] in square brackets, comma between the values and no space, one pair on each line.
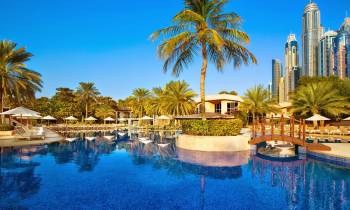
[291,56]
[276,76]
[342,50]
[326,54]
[311,34]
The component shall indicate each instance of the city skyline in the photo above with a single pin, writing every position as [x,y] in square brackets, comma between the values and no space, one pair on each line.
[69,49]
[324,53]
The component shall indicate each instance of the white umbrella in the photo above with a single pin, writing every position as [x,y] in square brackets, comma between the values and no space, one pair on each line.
[146,118]
[346,119]
[109,119]
[90,119]
[317,117]
[122,119]
[71,118]
[27,116]
[20,111]
[163,117]
[48,117]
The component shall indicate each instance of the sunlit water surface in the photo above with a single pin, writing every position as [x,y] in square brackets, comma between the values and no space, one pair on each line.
[105,174]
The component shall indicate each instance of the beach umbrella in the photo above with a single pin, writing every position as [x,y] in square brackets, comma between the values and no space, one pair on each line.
[146,118]
[90,119]
[71,118]
[346,119]
[109,119]
[20,111]
[164,117]
[27,116]
[317,117]
[48,117]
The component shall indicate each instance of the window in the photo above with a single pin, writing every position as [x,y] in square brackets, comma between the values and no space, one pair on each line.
[232,107]
[217,108]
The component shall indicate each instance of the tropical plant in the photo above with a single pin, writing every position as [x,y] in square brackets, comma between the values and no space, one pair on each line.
[138,100]
[257,101]
[87,93]
[18,83]
[230,93]
[319,98]
[202,27]
[178,99]
[104,110]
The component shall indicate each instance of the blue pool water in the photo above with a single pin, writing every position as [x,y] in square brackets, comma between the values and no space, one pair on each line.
[101,174]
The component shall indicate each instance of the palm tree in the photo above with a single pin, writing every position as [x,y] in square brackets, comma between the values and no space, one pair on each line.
[202,27]
[178,99]
[257,101]
[139,98]
[104,110]
[156,104]
[319,97]
[87,92]
[18,83]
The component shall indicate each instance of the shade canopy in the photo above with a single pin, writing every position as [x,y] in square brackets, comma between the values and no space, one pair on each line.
[146,118]
[164,117]
[20,111]
[48,117]
[122,119]
[27,116]
[346,119]
[90,119]
[317,117]
[108,119]
[71,118]
[285,116]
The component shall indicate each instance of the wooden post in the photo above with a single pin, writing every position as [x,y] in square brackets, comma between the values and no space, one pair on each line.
[300,126]
[272,128]
[304,132]
[291,127]
[282,127]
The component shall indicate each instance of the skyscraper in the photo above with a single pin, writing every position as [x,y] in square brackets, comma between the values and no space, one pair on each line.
[342,50]
[281,90]
[291,56]
[311,34]
[276,76]
[326,54]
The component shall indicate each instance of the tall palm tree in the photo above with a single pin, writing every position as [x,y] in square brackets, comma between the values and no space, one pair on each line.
[319,98]
[156,104]
[178,99]
[140,97]
[18,83]
[257,101]
[87,92]
[203,28]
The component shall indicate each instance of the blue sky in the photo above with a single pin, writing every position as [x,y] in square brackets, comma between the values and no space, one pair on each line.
[106,41]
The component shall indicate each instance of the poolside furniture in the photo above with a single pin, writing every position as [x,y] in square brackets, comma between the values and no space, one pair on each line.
[29,134]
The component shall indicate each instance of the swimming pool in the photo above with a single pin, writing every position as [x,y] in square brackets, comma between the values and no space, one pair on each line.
[102,174]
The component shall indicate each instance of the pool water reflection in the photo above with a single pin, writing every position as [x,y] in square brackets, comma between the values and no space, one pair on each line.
[105,174]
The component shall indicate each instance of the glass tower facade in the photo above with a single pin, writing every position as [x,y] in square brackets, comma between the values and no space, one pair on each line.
[276,76]
[342,50]
[326,53]
[311,34]
[291,56]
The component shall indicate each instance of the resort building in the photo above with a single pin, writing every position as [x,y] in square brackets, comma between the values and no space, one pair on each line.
[276,77]
[311,34]
[220,103]
[326,54]
[291,56]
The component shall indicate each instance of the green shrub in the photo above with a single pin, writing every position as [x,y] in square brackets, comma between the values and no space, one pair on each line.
[6,127]
[228,127]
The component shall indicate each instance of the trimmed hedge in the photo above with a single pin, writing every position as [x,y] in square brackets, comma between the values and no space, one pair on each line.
[6,127]
[229,127]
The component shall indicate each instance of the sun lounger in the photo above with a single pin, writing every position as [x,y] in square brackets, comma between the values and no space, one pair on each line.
[30,134]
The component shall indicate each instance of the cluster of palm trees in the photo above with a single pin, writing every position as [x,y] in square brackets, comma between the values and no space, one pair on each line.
[174,99]
[18,83]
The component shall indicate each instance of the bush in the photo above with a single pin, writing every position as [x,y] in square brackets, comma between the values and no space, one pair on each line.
[229,127]
[6,127]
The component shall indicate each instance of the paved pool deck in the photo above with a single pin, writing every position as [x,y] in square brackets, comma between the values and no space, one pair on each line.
[10,141]
[340,150]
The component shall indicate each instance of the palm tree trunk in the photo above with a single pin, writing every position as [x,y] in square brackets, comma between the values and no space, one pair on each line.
[202,80]
[86,110]
[2,105]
